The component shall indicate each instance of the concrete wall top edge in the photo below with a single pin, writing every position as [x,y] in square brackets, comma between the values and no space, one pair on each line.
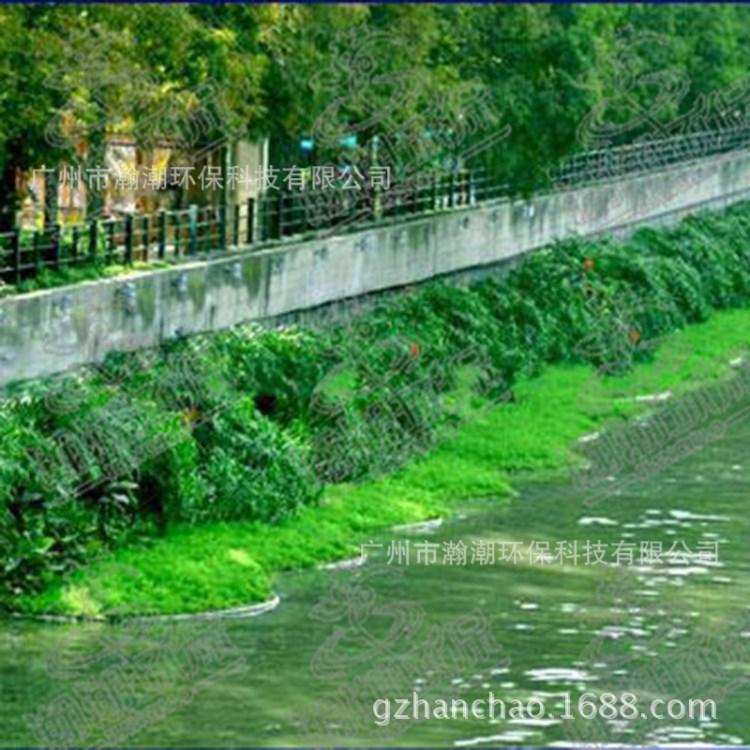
[262,283]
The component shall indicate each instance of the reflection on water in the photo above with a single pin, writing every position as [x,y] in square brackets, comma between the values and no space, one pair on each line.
[562,629]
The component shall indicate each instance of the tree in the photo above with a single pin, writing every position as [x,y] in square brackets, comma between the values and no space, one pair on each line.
[26,59]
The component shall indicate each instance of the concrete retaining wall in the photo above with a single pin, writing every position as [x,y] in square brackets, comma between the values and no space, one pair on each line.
[51,331]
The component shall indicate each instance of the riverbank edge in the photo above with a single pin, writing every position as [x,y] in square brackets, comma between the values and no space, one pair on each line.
[252,610]
[473,464]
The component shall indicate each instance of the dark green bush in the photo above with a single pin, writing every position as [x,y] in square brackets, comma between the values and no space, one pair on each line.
[252,468]
[41,530]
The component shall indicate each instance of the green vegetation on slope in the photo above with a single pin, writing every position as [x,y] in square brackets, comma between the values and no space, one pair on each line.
[217,566]
[260,428]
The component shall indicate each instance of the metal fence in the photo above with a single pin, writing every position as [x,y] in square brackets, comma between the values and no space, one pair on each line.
[24,253]
[647,156]
[278,215]
[202,231]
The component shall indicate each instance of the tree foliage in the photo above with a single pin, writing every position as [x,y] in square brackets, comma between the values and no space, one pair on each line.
[86,71]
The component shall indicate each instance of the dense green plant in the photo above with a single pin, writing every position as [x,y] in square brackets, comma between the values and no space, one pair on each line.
[170,485]
[280,368]
[41,530]
[246,424]
[253,469]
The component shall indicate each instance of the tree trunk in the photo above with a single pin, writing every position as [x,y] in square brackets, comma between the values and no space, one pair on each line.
[51,185]
[96,157]
[9,198]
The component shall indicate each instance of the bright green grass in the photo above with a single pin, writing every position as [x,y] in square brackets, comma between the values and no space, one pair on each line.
[217,566]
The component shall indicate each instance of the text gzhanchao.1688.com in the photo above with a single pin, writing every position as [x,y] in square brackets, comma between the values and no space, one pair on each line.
[589,706]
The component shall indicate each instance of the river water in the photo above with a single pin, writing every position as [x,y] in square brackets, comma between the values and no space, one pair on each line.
[559,631]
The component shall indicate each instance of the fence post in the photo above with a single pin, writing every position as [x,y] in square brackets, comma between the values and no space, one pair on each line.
[74,245]
[37,254]
[129,239]
[162,234]
[205,235]
[93,239]
[56,242]
[193,218]
[250,235]
[110,239]
[209,215]
[223,226]
[146,238]
[16,247]
[279,227]
[177,234]
[291,211]
[236,227]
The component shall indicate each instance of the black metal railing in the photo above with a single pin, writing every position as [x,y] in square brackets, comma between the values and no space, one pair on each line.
[201,231]
[276,215]
[647,155]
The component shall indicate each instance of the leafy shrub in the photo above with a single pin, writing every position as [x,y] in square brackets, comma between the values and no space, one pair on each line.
[253,469]
[41,531]
[170,485]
